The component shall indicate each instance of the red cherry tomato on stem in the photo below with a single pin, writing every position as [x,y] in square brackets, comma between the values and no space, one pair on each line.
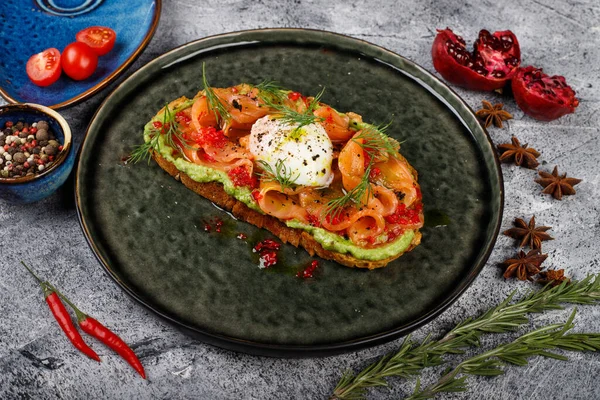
[100,38]
[44,68]
[79,61]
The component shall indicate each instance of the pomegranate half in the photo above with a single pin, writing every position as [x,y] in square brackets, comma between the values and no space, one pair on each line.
[541,96]
[494,60]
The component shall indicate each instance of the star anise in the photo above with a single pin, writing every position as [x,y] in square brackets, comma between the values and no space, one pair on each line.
[529,234]
[525,265]
[557,185]
[527,156]
[493,114]
[553,276]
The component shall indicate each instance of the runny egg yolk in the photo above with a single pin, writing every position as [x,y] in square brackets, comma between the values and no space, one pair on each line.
[306,152]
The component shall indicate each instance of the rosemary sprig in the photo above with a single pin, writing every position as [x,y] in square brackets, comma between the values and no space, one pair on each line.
[214,103]
[282,174]
[291,116]
[535,343]
[412,358]
[169,127]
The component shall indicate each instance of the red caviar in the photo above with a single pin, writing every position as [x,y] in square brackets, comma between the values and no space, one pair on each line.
[241,177]
[375,172]
[182,118]
[256,195]
[209,136]
[405,216]
[314,220]
[294,96]
[333,220]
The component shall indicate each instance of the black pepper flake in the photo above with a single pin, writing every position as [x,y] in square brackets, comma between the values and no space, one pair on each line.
[314,158]
[304,163]
[236,105]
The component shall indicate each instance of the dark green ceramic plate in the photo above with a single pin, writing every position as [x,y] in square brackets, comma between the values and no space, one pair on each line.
[148,230]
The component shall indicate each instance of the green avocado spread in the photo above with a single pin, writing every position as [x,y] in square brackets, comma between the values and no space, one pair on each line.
[329,241]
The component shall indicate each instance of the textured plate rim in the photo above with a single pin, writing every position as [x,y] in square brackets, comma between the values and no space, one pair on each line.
[297,351]
[104,82]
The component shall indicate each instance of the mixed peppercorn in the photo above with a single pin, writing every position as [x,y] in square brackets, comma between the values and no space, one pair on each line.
[27,150]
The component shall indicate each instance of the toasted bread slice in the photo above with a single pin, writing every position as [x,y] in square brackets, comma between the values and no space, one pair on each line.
[214,192]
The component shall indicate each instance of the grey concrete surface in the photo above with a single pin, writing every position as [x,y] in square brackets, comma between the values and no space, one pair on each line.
[563,37]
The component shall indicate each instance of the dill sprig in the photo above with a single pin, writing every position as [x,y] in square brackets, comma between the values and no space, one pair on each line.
[336,206]
[291,116]
[375,141]
[538,342]
[142,151]
[169,127]
[411,358]
[214,103]
[281,174]
[271,91]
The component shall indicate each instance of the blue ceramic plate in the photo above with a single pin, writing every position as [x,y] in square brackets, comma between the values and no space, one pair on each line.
[148,229]
[42,24]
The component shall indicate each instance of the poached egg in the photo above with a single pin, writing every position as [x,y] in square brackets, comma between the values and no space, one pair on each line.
[306,152]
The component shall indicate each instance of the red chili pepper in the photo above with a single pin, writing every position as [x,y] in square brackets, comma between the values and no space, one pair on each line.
[63,318]
[94,328]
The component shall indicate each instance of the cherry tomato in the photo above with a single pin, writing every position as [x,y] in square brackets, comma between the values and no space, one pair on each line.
[79,61]
[44,68]
[100,38]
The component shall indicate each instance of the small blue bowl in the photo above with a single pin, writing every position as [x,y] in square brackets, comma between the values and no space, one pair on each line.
[28,189]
